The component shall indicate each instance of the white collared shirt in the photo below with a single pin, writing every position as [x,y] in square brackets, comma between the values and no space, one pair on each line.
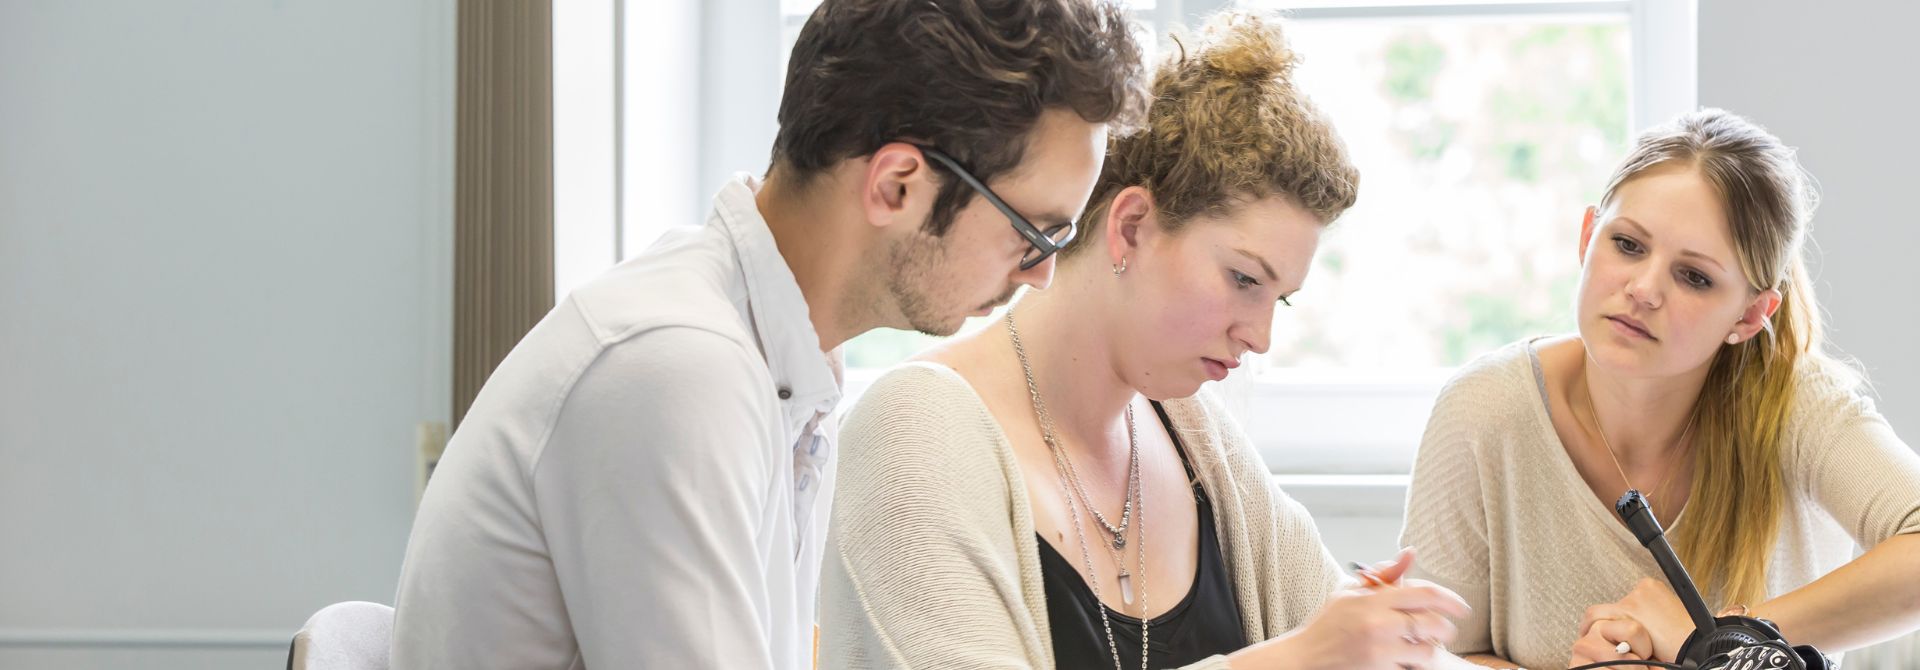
[644,481]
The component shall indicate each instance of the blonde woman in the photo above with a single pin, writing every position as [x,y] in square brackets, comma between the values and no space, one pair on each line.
[1050,492]
[1697,377]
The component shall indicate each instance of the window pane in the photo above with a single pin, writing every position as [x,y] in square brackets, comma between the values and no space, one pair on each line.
[1479,143]
[797,8]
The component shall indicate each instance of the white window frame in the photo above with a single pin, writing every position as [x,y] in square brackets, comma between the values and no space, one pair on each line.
[1327,430]
[1324,430]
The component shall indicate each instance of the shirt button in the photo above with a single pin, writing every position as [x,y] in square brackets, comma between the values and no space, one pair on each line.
[786,393]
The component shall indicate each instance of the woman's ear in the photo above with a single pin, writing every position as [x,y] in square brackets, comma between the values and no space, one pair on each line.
[1758,314]
[1131,210]
[1586,231]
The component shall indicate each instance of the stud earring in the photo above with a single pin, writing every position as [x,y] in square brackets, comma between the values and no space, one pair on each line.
[1733,338]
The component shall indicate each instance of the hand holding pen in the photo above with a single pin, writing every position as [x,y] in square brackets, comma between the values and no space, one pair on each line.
[1388,575]
[1380,622]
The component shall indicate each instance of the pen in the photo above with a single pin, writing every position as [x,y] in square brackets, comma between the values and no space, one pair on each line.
[1367,575]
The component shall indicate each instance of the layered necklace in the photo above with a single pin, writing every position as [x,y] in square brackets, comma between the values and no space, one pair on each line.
[1133,511]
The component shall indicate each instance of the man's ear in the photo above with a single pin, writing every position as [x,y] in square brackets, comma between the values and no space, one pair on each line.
[897,186]
[1126,219]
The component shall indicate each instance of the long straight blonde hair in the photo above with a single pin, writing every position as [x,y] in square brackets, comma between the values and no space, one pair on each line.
[1738,488]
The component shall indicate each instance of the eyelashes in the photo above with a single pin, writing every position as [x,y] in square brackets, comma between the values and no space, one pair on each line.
[1696,280]
[1244,281]
[1689,276]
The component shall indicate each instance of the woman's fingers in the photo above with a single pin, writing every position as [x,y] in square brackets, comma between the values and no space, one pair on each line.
[1417,595]
[1391,571]
[1612,640]
[1599,613]
[1404,626]
[1595,649]
[1401,653]
[1433,628]
[1638,641]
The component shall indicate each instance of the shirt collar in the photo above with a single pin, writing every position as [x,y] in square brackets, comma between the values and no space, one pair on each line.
[809,380]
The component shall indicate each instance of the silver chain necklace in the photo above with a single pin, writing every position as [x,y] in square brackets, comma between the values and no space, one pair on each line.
[1118,533]
[1071,479]
[1678,446]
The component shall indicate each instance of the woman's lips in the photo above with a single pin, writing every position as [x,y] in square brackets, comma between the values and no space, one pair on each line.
[1632,328]
[1217,369]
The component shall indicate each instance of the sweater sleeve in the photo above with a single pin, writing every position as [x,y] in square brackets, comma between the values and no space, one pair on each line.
[1858,470]
[1446,521]
[1283,574]
[923,566]
[1298,571]
[1304,562]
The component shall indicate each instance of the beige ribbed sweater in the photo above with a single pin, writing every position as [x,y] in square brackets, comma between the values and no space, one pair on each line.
[1498,513]
[932,560]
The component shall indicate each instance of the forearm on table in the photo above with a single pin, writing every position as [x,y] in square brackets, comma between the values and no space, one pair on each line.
[1868,600]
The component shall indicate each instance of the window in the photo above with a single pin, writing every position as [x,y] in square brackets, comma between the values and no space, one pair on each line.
[1481,131]
[629,161]
[1480,138]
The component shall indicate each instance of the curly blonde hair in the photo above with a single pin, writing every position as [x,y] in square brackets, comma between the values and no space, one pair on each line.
[1227,126]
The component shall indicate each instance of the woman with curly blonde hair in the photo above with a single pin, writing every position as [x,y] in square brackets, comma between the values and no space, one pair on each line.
[1056,490]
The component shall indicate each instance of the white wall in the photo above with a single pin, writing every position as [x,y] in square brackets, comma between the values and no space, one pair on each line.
[1836,80]
[225,235]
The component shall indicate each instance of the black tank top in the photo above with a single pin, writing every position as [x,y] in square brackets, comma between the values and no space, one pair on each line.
[1205,623]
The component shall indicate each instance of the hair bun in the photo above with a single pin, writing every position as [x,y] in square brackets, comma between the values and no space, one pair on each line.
[1246,46]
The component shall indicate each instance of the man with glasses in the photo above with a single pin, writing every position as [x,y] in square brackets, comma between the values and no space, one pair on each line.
[644,480]
[1042,244]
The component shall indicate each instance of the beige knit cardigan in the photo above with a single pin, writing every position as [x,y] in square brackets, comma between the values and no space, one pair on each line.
[932,560]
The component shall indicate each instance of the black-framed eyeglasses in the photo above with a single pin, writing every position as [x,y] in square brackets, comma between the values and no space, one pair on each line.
[1041,243]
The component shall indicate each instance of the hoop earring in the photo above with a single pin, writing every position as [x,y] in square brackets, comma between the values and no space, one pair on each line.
[1121,267]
